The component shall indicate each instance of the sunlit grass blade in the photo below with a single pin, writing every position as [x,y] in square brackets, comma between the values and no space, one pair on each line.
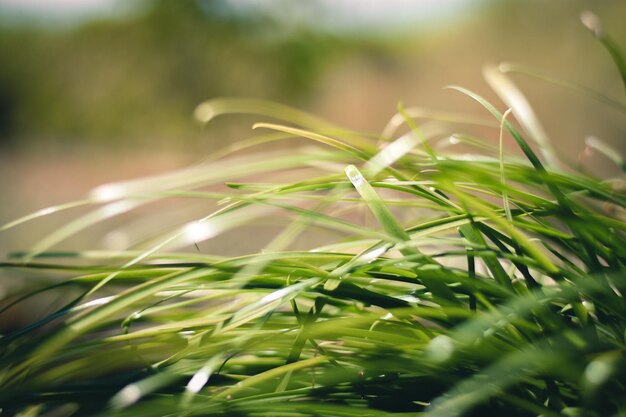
[530,154]
[208,110]
[513,97]
[377,205]
[44,212]
[509,67]
[316,137]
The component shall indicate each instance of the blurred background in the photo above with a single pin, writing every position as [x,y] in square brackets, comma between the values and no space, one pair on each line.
[94,91]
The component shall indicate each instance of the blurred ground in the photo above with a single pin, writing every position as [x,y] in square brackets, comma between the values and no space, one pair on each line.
[112,97]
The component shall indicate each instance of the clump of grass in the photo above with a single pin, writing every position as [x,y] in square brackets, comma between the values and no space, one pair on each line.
[479,283]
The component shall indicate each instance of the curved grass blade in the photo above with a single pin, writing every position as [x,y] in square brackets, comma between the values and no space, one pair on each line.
[606,150]
[506,67]
[514,99]
[532,157]
[210,109]
[44,212]
[316,137]
[593,23]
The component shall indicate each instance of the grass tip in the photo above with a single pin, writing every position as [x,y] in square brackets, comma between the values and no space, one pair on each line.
[204,112]
[592,22]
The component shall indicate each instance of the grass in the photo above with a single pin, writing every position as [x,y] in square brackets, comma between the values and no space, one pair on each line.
[455,283]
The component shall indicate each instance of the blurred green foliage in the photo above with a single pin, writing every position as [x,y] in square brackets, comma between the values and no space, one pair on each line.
[137,78]
[140,77]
